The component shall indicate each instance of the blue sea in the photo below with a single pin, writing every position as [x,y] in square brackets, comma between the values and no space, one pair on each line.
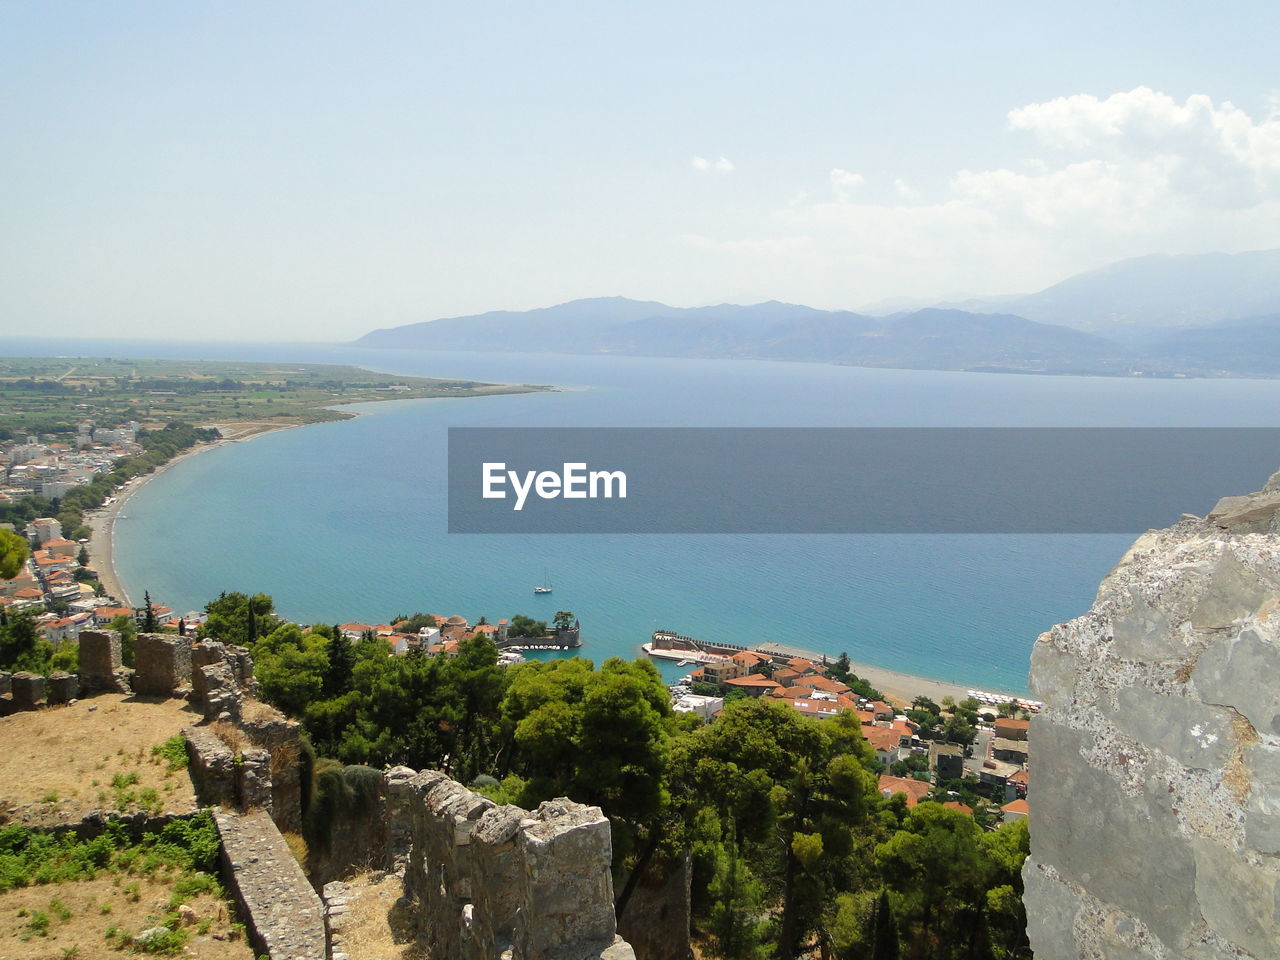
[347,521]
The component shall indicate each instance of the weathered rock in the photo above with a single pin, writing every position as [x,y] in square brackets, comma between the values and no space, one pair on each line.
[100,659]
[1156,831]
[62,687]
[496,881]
[163,664]
[28,690]
[283,913]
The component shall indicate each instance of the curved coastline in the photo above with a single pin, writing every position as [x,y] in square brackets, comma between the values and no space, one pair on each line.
[103,521]
[897,686]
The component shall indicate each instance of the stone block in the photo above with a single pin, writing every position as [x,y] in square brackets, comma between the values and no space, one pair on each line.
[6,682]
[62,687]
[1229,671]
[28,690]
[1262,809]
[99,659]
[1240,901]
[1125,850]
[162,664]
[1194,734]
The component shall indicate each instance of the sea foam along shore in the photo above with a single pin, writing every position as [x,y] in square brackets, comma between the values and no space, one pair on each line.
[103,520]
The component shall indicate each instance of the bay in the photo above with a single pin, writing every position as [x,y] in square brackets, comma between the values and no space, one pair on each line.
[346,521]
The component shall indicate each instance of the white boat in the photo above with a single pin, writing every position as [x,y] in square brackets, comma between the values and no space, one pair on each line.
[546,586]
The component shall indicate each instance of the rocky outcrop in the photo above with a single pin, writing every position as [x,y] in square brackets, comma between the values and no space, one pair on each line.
[1155,822]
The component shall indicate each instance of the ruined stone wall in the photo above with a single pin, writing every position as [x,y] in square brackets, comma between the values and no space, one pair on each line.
[101,665]
[487,879]
[162,664]
[1155,818]
[284,914]
[656,920]
[23,691]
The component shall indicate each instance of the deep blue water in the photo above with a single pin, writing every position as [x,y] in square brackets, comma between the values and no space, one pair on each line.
[346,521]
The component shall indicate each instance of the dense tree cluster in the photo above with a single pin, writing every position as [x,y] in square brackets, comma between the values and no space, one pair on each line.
[792,847]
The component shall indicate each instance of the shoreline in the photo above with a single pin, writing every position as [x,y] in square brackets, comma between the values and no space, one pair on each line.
[898,687]
[103,521]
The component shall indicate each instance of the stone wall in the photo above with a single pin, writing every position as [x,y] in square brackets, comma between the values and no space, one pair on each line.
[100,661]
[656,921]
[487,879]
[162,664]
[284,914]
[1155,819]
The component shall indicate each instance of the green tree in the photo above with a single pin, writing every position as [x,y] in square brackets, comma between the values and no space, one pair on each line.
[13,554]
[148,614]
[736,923]
[563,620]
[239,619]
[127,627]
[342,661]
[290,666]
[938,875]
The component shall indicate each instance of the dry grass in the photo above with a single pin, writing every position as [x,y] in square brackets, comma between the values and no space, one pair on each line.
[257,710]
[369,931]
[231,735]
[284,757]
[76,917]
[57,764]
[298,847]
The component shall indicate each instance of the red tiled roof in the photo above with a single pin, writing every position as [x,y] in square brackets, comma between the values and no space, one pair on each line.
[957,805]
[883,738]
[916,790]
[752,680]
[1017,806]
[1019,777]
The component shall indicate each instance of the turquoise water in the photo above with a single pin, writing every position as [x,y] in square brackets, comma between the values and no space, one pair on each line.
[346,521]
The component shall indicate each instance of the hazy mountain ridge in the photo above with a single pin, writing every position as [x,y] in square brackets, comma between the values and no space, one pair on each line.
[1214,315]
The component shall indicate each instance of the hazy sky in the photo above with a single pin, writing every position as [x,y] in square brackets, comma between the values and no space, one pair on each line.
[312,171]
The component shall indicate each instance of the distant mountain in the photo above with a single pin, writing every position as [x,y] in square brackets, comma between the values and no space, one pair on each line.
[1133,298]
[1247,347]
[927,339]
[1214,314]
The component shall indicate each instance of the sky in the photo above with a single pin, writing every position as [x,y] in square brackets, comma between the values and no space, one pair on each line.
[312,171]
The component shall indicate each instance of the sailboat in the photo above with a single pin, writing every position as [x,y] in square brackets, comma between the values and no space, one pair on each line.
[546,586]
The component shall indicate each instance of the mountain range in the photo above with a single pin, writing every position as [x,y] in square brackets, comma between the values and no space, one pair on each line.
[1205,315]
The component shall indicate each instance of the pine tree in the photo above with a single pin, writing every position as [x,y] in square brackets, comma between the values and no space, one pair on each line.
[148,614]
[885,930]
[342,661]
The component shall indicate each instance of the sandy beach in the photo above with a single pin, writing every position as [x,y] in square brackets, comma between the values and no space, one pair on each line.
[103,520]
[899,688]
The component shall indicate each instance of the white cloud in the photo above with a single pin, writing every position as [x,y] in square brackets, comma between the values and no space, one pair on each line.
[1134,173]
[722,165]
[845,182]
[904,190]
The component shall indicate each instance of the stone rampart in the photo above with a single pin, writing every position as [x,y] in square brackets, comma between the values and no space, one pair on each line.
[283,913]
[489,879]
[1156,830]
[100,661]
[162,664]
